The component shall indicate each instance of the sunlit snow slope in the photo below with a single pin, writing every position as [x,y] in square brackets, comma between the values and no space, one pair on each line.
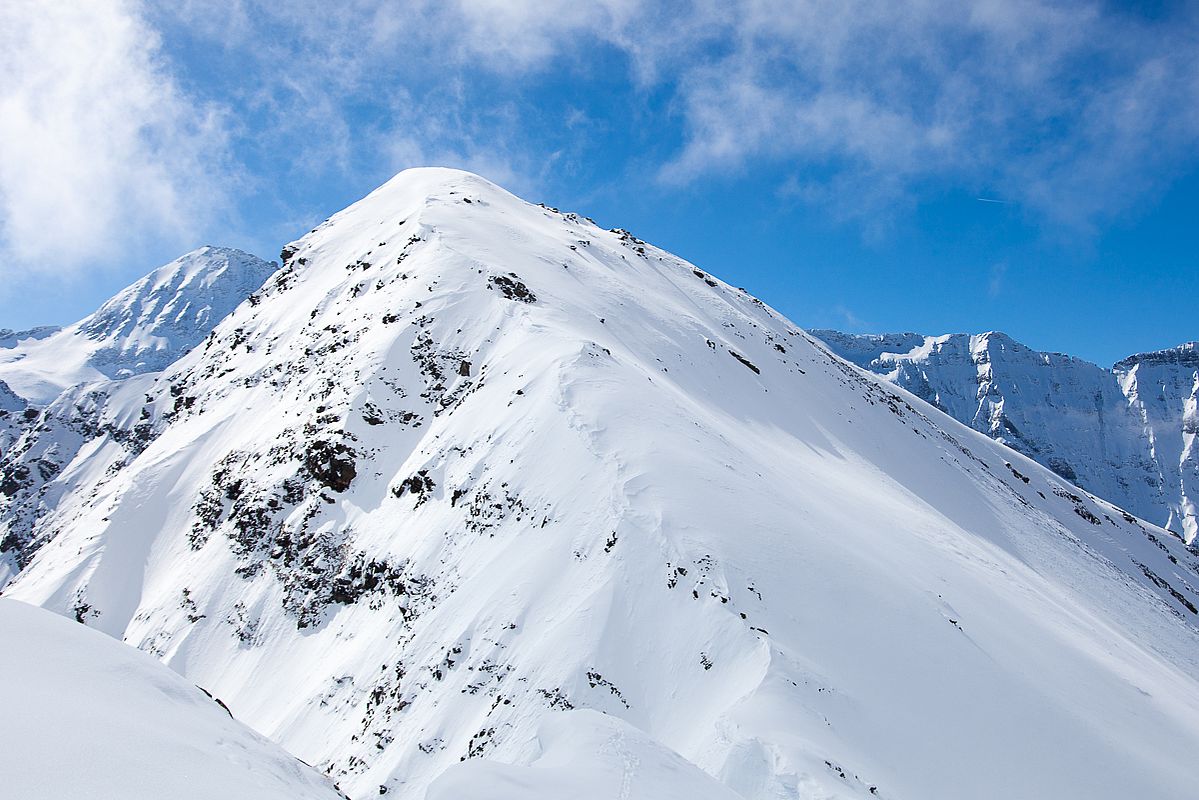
[142,329]
[466,470]
[87,717]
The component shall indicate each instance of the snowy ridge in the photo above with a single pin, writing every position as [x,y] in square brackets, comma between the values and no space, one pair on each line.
[12,419]
[10,338]
[1127,434]
[64,377]
[474,479]
[1163,391]
[9,401]
[142,329]
[89,717]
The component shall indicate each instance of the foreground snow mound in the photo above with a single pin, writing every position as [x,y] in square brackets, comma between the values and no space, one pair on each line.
[1128,433]
[88,717]
[465,462]
[142,329]
[584,755]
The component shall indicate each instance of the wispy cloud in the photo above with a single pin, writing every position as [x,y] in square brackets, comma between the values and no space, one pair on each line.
[99,148]
[851,321]
[1070,110]
[995,279]
[1060,105]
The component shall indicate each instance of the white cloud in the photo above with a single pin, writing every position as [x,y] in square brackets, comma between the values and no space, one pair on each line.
[99,149]
[849,320]
[857,106]
[1074,112]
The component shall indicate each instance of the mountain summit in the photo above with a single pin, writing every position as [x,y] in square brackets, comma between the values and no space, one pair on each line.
[474,480]
[143,328]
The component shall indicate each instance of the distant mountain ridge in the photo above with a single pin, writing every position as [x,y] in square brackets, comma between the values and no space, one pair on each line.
[1128,433]
[143,328]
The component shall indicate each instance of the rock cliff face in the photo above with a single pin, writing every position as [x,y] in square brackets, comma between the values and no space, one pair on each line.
[1126,433]
[474,480]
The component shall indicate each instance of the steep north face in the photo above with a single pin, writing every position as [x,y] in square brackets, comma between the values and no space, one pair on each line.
[1128,433]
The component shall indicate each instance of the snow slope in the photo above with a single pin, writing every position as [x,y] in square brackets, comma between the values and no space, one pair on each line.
[465,467]
[584,755]
[11,410]
[142,329]
[88,717]
[1126,434]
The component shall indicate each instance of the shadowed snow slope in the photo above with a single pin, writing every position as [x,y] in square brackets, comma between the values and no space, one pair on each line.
[1128,434]
[142,329]
[86,717]
[465,463]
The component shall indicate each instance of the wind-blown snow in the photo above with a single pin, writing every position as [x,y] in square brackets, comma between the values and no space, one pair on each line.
[466,465]
[1127,434]
[88,717]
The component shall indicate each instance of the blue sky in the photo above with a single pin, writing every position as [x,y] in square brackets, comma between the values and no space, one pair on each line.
[838,158]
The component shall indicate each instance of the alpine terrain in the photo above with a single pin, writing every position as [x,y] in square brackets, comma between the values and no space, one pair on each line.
[142,329]
[87,716]
[475,499]
[1127,433]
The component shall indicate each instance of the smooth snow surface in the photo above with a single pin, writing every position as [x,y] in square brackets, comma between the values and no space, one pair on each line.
[87,717]
[1127,434]
[465,463]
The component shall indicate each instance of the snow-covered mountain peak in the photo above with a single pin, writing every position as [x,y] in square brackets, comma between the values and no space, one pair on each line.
[465,463]
[158,318]
[403,198]
[141,329]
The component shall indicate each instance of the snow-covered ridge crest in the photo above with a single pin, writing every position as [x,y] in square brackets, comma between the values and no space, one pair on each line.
[1125,433]
[143,328]
[465,467]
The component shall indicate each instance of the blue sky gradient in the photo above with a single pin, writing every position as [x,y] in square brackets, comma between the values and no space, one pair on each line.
[837,159]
